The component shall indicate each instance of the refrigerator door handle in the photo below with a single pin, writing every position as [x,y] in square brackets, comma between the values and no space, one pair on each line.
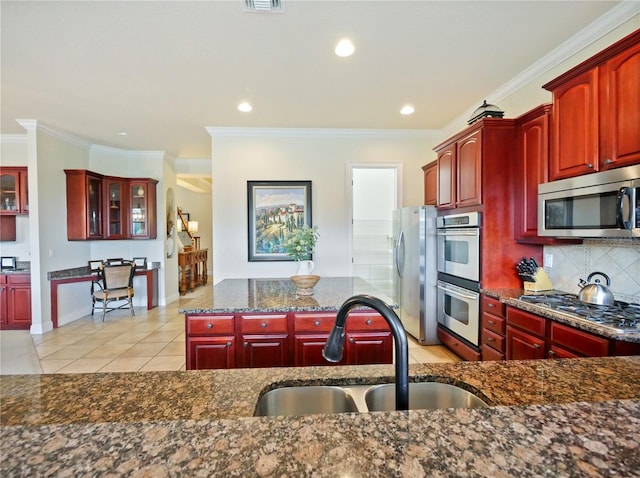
[399,254]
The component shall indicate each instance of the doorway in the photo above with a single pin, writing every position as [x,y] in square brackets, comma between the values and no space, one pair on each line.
[375,195]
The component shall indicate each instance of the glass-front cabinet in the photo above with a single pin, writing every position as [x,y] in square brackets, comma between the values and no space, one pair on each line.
[142,214]
[108,207]
[116,208]
[14,197]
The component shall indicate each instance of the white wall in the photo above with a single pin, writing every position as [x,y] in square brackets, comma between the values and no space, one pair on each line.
[317,155]
[198,205]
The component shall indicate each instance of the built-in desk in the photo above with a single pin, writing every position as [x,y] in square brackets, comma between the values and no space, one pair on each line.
[193,269]
[83,274]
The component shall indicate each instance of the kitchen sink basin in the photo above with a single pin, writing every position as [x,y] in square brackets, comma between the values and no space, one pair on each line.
[422,395]
[309,400]
[305,401]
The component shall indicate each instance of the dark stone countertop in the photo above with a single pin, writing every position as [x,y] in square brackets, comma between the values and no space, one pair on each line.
[511,297]
[573,417]
[276,295]
[84,271]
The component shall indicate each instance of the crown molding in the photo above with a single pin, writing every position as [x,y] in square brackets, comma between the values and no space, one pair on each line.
[100,148]
[622,13]
[35,125]
[224,132]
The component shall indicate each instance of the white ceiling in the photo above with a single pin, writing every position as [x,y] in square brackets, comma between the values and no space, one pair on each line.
[163,71]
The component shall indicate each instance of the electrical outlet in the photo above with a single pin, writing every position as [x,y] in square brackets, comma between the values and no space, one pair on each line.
[548,260]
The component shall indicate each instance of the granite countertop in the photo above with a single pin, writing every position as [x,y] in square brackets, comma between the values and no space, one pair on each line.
[84,271]
[547,418]
[511,297]
[276,295]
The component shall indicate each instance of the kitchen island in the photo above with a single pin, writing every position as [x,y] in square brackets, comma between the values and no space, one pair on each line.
[264,323]
[576,417]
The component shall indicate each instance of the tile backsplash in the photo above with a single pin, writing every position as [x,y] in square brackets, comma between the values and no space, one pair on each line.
[618,258]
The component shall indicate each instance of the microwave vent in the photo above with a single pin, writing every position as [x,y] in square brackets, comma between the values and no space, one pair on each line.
[262,5]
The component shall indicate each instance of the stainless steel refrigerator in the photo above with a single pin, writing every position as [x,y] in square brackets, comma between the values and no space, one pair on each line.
[415,274]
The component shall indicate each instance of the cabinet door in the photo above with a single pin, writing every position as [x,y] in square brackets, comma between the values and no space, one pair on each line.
[446,177]
[308,350]
[533,159]
[431,184]
[115,208]
[24,191]
[523,346]
[369,348]
[139,210]
[18,306]
[211,352]
[264,351]
[9,191]
[620,107]
[469,174]
[575,127]
[94,207]
[3,301]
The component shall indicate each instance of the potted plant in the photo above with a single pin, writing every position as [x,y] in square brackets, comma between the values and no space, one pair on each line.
[299,245]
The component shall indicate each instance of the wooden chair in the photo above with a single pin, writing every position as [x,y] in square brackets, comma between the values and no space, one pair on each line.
[115,284]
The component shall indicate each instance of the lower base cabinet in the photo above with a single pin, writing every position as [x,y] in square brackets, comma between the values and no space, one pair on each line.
[523,346]
[281,339]
[15,301]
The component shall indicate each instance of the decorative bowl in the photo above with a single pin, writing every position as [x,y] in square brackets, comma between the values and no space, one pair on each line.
[304,283]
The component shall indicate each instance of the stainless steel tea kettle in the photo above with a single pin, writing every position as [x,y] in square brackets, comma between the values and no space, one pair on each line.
[596,293]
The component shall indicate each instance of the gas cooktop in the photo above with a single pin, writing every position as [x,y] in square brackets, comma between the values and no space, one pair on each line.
[621,317]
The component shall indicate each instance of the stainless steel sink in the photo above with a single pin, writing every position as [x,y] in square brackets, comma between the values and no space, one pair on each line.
[422,395]
[305,401]
[309,400]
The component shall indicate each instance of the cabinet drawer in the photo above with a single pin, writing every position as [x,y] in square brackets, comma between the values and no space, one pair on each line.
[263,324]
[489,353]
[209,324]
[493,340]
[18,279]
[584,343]
[526,321]
[492,306]
[457,346]
[321,322]
[494,323]
[364,321]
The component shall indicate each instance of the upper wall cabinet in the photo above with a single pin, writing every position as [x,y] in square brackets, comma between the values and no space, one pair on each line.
[14,194]
[430,183]
[595,122]
[464,159]
[107,207]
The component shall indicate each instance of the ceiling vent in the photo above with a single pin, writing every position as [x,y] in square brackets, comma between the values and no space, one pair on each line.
[262,5]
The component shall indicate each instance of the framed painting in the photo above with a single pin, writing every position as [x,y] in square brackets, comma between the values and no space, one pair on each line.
[276,209]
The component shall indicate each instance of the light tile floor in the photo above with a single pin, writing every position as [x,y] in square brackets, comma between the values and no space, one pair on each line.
[151,341]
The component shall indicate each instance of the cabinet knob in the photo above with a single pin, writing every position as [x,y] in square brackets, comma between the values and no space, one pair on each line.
[209,325]
[317,323]
[246,344]
[551,353]
[590,166]
[490,305]
[369,322]
[351,340]
[490,339]
[490,322]
[263,325]
[536,346]
[607,161]
[229,344]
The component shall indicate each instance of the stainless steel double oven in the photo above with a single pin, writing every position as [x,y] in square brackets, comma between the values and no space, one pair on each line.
[458,237]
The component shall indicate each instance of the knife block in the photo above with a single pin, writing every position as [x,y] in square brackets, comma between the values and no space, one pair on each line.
[542,282]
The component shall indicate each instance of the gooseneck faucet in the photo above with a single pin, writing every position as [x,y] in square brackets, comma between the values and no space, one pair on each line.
[332,350]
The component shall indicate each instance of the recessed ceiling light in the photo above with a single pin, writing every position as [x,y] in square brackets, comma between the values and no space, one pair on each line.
[245,107]
[407,110]
[345,48]
[121,133]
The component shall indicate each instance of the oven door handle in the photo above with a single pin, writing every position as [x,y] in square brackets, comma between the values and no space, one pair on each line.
[459,232]
[458,291]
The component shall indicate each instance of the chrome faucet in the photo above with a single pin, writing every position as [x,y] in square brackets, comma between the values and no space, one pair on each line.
[332,350]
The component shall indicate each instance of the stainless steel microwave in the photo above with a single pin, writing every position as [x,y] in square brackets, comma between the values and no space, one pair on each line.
[604,204]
